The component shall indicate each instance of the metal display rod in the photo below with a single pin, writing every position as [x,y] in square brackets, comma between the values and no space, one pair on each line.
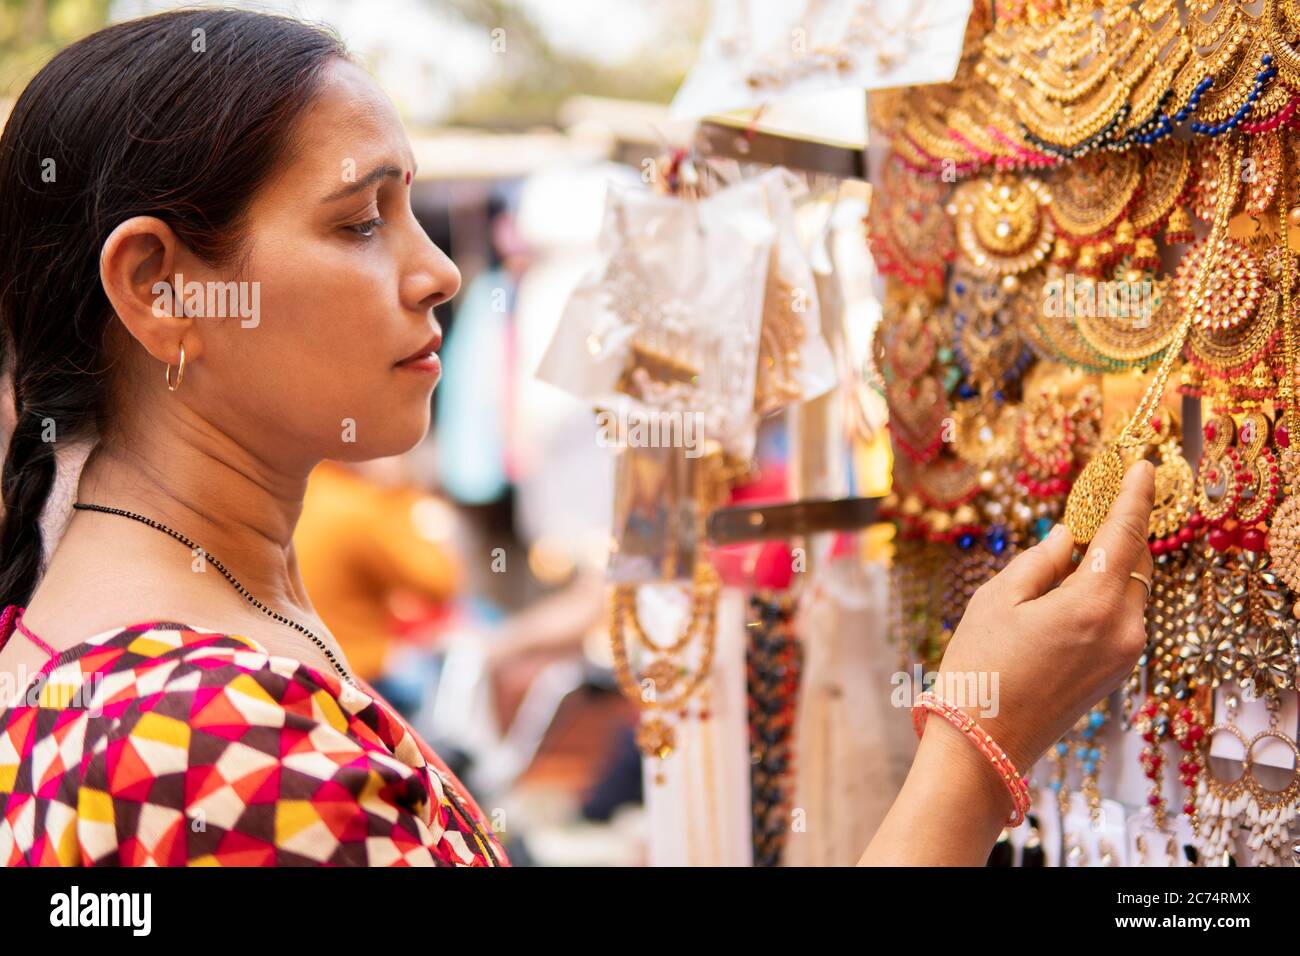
[749,144]
[735,525]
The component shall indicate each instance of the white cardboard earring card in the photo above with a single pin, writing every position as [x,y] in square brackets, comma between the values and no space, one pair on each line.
[1252,718]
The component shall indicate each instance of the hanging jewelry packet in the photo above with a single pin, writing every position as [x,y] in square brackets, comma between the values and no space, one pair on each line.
[794,361]
[657,515]
[665,329]
[702,316]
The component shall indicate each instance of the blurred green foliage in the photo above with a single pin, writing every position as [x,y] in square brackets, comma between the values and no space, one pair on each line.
[538,78]
[535,80]
[31,31]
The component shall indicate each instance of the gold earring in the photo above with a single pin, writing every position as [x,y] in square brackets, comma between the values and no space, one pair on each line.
[180,372]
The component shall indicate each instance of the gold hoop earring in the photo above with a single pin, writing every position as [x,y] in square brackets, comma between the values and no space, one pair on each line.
[180,373]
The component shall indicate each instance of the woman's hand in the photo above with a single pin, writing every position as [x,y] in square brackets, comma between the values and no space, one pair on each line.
[1053,651]
[1049,653]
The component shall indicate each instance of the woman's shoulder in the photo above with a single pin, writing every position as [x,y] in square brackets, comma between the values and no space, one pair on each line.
[136,667]
[174,744]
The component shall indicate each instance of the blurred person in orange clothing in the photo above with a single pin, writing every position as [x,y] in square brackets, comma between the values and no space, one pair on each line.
[378,558]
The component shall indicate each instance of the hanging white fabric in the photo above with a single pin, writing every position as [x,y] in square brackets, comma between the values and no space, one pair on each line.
[760,51]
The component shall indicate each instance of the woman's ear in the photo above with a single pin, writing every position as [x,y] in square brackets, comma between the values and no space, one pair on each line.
[136,267]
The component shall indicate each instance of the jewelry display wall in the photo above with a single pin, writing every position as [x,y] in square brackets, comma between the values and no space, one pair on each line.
[1088,241]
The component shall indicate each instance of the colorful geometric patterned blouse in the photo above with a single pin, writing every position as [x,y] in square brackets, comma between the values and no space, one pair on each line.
[162,744]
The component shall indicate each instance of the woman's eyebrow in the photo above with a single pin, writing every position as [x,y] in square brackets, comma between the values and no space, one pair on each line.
[379,172]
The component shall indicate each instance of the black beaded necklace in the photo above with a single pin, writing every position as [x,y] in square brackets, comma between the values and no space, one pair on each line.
[247,595]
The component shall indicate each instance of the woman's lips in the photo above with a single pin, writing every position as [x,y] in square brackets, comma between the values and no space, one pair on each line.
[430,364]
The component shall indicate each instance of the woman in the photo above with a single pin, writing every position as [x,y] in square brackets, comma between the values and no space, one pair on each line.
[191,707]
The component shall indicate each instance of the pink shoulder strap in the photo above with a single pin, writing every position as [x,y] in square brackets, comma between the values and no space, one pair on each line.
[12,620]
[7,624]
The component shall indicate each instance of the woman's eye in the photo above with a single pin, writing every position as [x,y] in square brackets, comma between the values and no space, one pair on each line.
[366,229]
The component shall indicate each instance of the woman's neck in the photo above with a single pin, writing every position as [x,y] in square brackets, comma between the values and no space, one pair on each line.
[237,508]
[111,571]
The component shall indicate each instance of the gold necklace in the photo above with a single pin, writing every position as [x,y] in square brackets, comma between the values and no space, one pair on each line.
[1053,333]
[1215,42]
[1152,90]
[1139,335]
[984,434]
[1098,486]
[1234,290]
[1065,64]
[908,334]
[1069,106]
[911,235]
[1230,356]
[926,130]
[781,334]
[1280,26]
[1101,339]
[651,691]
[942,484]
[1091,194]
[918,409]
[1261,171]
[1175,483]
[1234,68]
[1001,227]
[971,118]
[1287,217]
[1284,533]
[986,341]
[1167,168]
[1233,347]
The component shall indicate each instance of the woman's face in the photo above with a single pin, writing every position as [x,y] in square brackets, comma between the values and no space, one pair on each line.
[346,281]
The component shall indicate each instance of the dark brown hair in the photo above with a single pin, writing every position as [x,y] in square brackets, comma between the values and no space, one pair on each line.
[183,115]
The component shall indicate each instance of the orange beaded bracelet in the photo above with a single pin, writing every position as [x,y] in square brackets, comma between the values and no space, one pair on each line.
[1016,784]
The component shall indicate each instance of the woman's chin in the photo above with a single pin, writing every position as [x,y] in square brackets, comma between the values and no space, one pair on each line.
[399,436]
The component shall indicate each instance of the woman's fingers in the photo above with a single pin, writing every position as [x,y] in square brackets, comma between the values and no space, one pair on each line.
[1037,570]
[1120,545]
